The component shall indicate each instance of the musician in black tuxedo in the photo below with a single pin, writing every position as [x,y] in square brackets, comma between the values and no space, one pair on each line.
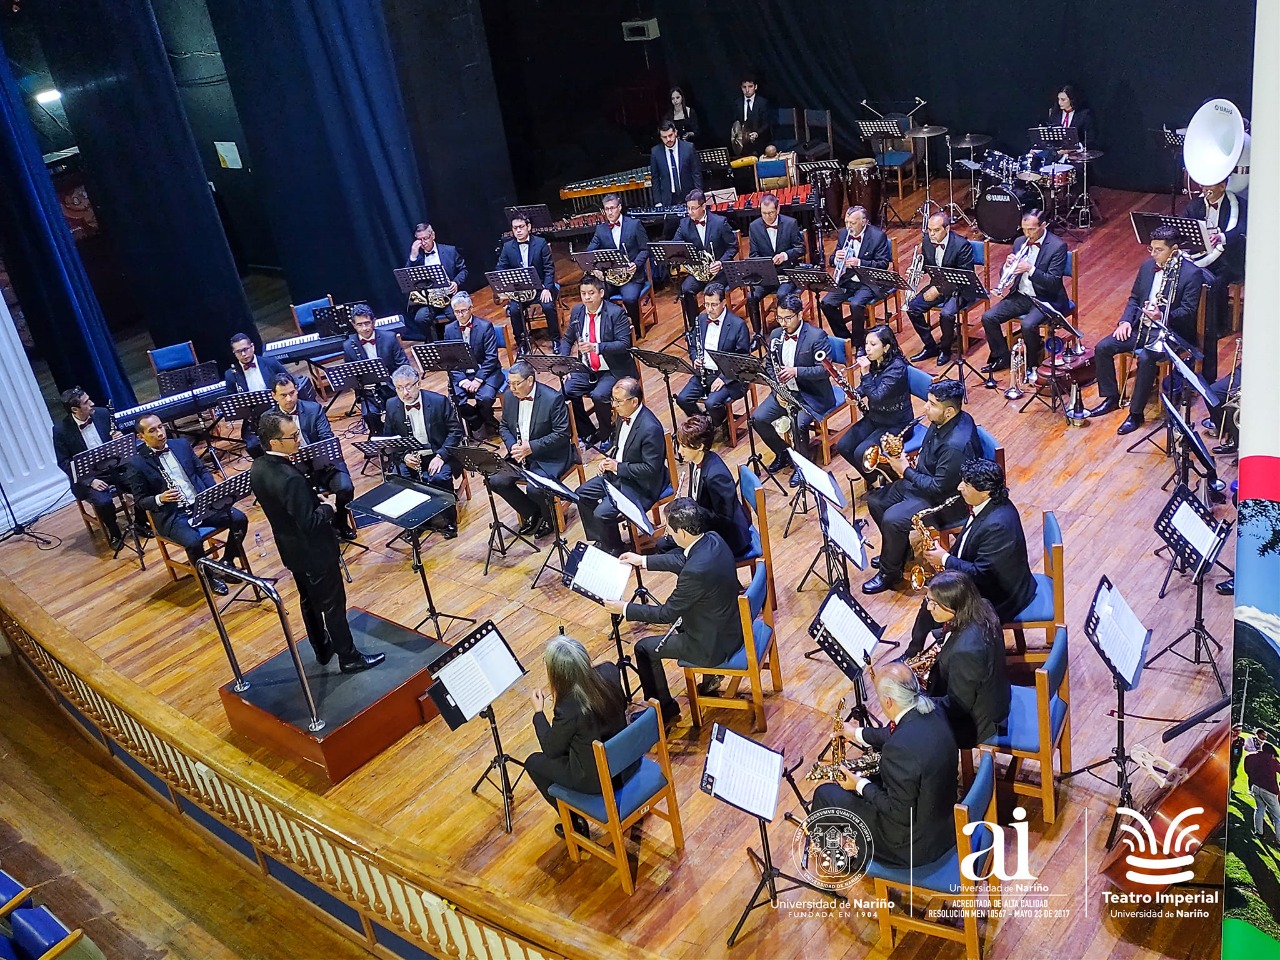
[952,438]
[991,549]
[475,390]
[302,524]
[1223,264]
[625,234]
[710,483]
[637,468]
[858,244]
[777,237]
[589,705]
[886,388]
[791,350]
[164,477]
[535,429]
[674,167]
[85,427]
[1038,264]
[708,232]
[1181,319]
[527,249]
[941,247]
[1072,112]
[705,600]
[366,344]
[909,807]
[716,329]
[249,371]
[757,120]
[600,336]
[430,419]
[422,319]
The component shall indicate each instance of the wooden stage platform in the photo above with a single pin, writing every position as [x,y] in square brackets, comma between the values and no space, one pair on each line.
[159,635]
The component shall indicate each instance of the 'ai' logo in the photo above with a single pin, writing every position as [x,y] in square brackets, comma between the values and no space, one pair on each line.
[1160,863]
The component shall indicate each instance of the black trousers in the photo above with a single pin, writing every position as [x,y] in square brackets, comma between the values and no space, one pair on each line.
[600,390]
[689,290]
[1144,380]
[477,408]
[516,314]
[600,518]
[653,678]
[1015,306]
[948,309]
[770,410]
[427,323]
[507,486]
[833,796]
[189,538]
[630,294]
[322,595]
[103,503]
[892,508]
[1217,322]
[857,295]
[862,436]
[758,293]
[716,400]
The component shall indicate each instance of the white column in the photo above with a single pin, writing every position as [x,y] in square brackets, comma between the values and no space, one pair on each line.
[28,470]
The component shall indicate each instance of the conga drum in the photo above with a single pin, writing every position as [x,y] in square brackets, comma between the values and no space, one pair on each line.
[863,187]
[829,186]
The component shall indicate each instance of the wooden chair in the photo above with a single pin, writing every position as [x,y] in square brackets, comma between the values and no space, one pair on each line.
[38,934]
[615,811]
[575,467]
[643,541]
[738,423]
[1235,292]
[759,648]
[943,879]
[94,525]
[13,894]
[981,258]
[752,492]
[648,307]
[1047,610]
[1039,725]
[899,155]
[177,562]
[786,131]
[1129,369]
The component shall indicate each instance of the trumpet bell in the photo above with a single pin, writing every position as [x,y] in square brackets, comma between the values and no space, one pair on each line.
[1216,146]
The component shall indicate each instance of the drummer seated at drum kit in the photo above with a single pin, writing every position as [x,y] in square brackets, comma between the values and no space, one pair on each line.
[941,247]
[857,245]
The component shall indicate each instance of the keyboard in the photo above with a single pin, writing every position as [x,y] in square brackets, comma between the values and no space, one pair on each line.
[311,345]
[173,406]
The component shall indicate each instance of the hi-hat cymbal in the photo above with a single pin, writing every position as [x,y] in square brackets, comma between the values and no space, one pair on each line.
[972,140]
[921,132]
[1084,156]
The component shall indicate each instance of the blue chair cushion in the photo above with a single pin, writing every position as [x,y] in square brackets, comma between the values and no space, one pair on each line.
[617,297]
[1023,728]
[917,439]
[894,158]
[667,492]
[761,633]
[306,312]
[840,399]
[1040,609]
[36,930]
[771,168]
[173,357]
[9,888]
[1071,306]
[754,549]
[635,793]
[7,950]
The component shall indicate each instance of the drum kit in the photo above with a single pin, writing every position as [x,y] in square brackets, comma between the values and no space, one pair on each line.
[1014,185]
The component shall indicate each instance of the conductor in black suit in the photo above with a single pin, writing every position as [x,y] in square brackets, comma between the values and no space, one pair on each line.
[724,332]
[1038,263]
[1180,316]
[1223,264]
[705,599]
[709,482]
[430,419]
[952,438]
[368,343]
[858,244]
[674,167]
[941,247]
[625,234]
[426,252]
[909,807]
[991,549]
[86,428]
[710,233]
[535,429]
[302,524]
[600,336]
[527,249]
[638,468]
[776,237]
[475,390]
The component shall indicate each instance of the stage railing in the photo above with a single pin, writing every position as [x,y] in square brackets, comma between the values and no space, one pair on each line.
[395,885]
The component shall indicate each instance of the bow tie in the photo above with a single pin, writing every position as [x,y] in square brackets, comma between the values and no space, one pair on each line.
[626,420]
[413,406]
[464,328]
[791,336]
[1213,206]
[251,364]
[84,426]
[524,243]
[163,450]
[700,223]
[528,399]
[367,342]
[771,226]
[714,323]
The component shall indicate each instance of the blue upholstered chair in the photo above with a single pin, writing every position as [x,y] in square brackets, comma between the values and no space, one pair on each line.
[12,894]
[616,810]
[38,935]
[1048,609]
[648,309]
[942,879]
[752,491]
[173,357]
[919,383]
[898,155]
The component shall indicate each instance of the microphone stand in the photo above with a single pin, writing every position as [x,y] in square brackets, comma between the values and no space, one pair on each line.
[19,528]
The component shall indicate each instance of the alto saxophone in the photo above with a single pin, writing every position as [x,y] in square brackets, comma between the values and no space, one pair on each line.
[922,571]
[839,767]
[890,446]
[922,663]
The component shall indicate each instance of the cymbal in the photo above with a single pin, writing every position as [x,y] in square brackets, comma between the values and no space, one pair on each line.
[1084,156]
[918,133]
[972,140]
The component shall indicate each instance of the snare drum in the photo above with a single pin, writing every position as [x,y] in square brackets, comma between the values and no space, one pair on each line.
[1000,208]
[1059,175]
[863,186]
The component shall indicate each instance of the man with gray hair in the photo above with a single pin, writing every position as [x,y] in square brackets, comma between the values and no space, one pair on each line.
[421,319]
[429,419]
[476,388]
[535,428]
[909,811]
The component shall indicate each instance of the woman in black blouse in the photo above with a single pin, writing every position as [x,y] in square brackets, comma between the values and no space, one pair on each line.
[682,115]
[589,705]
[885,388]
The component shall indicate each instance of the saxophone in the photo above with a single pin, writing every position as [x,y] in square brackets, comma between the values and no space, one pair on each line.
[839,767]
[920,572]
[1163,302]
[922,663]
[890,446]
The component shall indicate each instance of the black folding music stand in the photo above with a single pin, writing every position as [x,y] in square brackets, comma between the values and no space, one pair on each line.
[186,379]
[361,376]
[559,549]
[666,365]
[326,455]
[98,463]
[246,406]
[384,448]
[451,356]
[952,281]
[422,278]
[220,498]
[558,366]
[598,261]
[569,579]
[813,280]
[1054,137]
[1193,235]
[488,464]
[747,369]
[672,254]
[883,280]
[750,272]
[538,214]
[835,555]
[1175,143]
[848,648]
[1056,320]
[882,131]
[334,321]
[521,285]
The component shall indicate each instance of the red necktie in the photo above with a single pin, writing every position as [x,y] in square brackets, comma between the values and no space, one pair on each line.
[1066,119]
[591,335]
[367,342]
[413,406]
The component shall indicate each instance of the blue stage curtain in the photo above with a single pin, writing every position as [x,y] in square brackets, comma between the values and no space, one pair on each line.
[315,87]
[53,288]
[145,177]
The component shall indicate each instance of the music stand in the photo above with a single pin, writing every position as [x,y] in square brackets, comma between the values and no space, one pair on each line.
[638,520]
[847,634]
[422,277]
[186,379]
[812,477]
[556,365]
[672,254]
[1193,235]
[96,464]
[477,670]
[1054,137]
[326,455]
[841,542]
[598,261]
[1121,641]
[750,272]
[488,464]
[949,280]
[1194,537]
[882,280]
[739,771]
[1175,143]
[748,369]
[333,321]
[246,406]
[559,549]
[1055,319]
[388,503]
[384,447]
[600,576]
[361,376]
[523,287]
[450,356]
[814,280]
[883,131]
[538,214]
[665,364]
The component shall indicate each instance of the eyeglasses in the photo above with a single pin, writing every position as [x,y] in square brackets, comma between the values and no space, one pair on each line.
[784,317]
[929,601]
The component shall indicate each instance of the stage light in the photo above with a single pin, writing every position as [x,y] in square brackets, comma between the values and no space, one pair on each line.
[48,96]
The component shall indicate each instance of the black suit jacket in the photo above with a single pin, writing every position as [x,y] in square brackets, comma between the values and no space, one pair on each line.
[718,496]
[484,347]
[455,268]
[268,367]
[958,252]
[760,119]
[734,335]
[614,331]
[995,557]
[444,429]
[642,467]
[917,785]
[688,166]
[815,384]
[1050,268]
[68,441]
[722,239]
[540,259]
[301,522]
[1230,263]
[790,240]
[569,735]
[387,346]
[146,482]
[936,475]
[705,598]
[635,243]
[1081,122]
[874,252]
[549,439]
[1181,315]
[971,684]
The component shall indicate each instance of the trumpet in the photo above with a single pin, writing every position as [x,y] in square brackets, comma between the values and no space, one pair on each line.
[835,374]
[1009,274]
[847,249]
[920,573]
[1017,370]
[889,447]
[840,768]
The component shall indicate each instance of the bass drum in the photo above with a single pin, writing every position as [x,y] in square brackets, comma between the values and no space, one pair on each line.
[1000,209]
[863,186]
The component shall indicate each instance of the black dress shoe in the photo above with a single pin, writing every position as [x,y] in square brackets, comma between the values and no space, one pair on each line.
[1106,406]
[795,479]
[529,525]
[925,354]
[995,366]
[117,541]
[543,529]
[1227,587]
[670,716]
[878,584]
[218,587]
[1131,423]
[447,530]
[323,651]
[875,562]
[944,358]
[709,685]
[1225,450]
[362,661]
[580,827]
[779,463]
[348,534]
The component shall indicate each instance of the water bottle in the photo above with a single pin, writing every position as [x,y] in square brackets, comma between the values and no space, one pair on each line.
[261,545]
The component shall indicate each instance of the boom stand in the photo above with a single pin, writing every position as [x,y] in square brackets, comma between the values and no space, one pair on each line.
[746,369]
[1055,320]
[505,785]
[666,365]
[488,464]
[953,209]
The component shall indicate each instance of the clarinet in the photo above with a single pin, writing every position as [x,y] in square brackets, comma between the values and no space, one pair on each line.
[112,429]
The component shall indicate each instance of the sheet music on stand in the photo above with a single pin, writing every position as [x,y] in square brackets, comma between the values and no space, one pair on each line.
[1193,235]
[592,261]
[628,508]
[550,484]
[477,670]
[812,278]
[219,497]
[883,279]
[421,278]
[245,406]
[1054,137]
[672,253]
[845,631]
[1117,634]
[597,575]
[956,279]
[742,773]
[818,480]
[1189,529]
[356,374]
[186,379]
[843,534]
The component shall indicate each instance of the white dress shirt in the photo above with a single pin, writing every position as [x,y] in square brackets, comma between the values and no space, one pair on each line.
[586,333]
[940,251]
[418,423]
[968,525]
[432,258]
[524,253]
[624,434]
[253,377]
[178,476]
[1032,255]
[771,231]
[524,421]
[789,358]
[89,433]
[712,341]
[370,349]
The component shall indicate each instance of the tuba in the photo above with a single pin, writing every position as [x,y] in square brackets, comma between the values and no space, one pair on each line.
[920,573]
[839,767]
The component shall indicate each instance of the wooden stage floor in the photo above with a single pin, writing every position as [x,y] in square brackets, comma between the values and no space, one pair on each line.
[159,634]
